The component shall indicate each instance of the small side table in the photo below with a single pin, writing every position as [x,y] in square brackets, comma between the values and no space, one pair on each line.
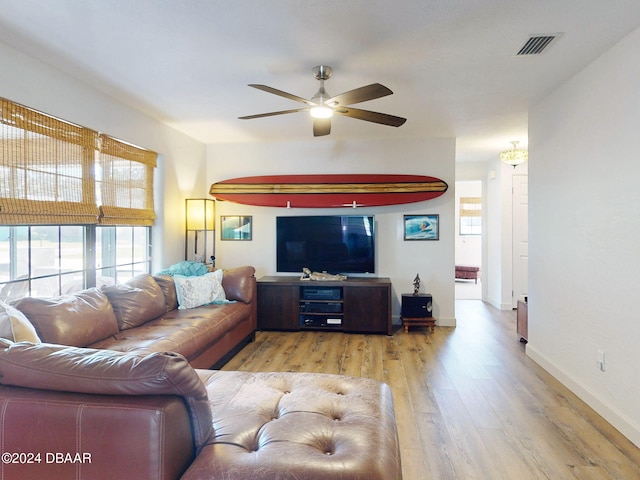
[418,322]
[417,311]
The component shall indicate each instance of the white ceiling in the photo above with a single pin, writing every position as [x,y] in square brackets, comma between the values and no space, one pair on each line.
[450,63]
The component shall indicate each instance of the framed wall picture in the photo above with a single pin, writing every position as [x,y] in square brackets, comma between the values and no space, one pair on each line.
[422,227]
[235,227]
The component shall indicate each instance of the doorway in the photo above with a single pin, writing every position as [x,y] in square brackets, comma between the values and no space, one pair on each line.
[468,249]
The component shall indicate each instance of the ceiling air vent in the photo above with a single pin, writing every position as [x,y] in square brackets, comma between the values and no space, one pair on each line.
[536,44]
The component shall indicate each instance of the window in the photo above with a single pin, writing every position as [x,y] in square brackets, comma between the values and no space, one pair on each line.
[76,206]
[470,216]
[121,253]
[51,260]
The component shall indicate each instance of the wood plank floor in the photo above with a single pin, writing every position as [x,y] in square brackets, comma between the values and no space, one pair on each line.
[469,403]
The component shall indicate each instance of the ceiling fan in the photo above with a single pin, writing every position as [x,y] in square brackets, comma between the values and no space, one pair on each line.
[322,107]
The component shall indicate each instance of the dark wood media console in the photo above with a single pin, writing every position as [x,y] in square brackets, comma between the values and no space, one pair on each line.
[356,305]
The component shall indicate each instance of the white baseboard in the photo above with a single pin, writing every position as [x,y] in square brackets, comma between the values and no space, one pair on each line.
[446,322]
[500,306]
[619,421]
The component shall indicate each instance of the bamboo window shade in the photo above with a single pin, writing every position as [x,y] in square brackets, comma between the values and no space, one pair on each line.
[50,173]
[126,183]
[470,206]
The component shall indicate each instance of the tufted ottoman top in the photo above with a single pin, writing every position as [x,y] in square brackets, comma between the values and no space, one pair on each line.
[466,268]
[298,426]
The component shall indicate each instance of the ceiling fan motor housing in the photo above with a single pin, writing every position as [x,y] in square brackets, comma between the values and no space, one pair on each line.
[322,72]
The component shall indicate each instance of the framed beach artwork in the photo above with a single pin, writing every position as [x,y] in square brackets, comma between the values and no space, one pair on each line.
[422,227]
[236,227]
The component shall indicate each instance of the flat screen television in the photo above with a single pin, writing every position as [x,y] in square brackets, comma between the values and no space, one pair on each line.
[330,243]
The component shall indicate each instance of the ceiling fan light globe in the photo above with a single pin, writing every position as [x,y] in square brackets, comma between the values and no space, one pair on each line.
[321,111]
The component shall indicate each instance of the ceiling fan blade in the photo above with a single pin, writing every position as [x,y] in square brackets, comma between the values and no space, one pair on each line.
[271,114]
[321,126]
[275,91]
[375,117]
[362,94]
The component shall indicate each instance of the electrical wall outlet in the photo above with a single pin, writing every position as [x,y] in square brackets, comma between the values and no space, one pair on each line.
[601,361]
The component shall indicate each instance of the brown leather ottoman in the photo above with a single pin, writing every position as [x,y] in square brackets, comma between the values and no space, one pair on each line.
[467,273]
[298,426]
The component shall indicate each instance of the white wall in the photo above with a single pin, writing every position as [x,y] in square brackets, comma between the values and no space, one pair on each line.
[466,171]
[584,227]
[398,259]
[498,236]
[181,163]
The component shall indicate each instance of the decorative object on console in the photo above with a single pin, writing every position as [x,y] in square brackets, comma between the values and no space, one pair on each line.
[422,227]
[199,239]
[515,156]
[416,284]
[322,106]
[236,227]
[329,191]
[321,276]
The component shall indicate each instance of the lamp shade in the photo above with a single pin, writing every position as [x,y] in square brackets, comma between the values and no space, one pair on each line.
[200,213]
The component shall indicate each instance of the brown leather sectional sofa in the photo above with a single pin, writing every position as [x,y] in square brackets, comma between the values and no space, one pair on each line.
[71,412]
[126,406]
[142,316]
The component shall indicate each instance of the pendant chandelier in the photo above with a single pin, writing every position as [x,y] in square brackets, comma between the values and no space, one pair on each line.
[515,156]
